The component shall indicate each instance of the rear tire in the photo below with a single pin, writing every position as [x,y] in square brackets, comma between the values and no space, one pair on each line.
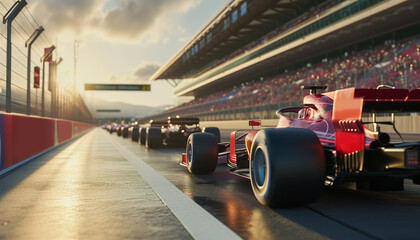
[125,132]
[202,153]
[142,136]
[153,137]
[135,134]
[287,167]
[213,130]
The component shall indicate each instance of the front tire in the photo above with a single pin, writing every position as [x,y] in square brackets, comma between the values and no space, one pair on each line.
[202,153]
[213,130]
[287,167]
[153,137]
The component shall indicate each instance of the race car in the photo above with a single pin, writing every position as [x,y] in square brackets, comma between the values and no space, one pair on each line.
[111,128]
[174,132]
[321,142]
[152,123]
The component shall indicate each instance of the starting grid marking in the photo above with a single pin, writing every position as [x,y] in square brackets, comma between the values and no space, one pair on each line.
[197,221]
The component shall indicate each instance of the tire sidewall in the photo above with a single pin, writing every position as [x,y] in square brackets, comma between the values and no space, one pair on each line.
[261,193]
[142,136]
[190,151]
[201,153]
[153,137]
[295,167]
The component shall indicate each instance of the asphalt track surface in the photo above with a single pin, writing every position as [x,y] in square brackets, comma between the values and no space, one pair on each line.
[98,187]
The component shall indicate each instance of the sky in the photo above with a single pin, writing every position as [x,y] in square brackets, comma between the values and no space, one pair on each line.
[121,41]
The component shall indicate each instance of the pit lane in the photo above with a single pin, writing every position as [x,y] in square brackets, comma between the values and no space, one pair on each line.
[96,187]
[340,213]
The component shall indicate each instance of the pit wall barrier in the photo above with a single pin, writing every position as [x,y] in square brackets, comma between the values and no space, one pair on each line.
[24,136]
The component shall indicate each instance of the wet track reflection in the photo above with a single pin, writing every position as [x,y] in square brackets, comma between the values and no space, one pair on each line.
[340,213]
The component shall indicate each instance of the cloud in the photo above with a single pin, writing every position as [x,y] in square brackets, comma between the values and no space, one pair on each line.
[145,71]
[112,78]
[116,19]
[61,15]
[140,75]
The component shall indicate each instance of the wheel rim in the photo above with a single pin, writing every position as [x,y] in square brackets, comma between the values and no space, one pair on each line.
[189,152]
[260,168]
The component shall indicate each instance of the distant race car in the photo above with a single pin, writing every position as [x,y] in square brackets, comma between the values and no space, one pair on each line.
[174,132]
[321,142]
[110,128]
[153,123]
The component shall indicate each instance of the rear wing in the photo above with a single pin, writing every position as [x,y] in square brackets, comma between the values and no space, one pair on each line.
[389,100]
[183,121]
[154,123]
[350,103]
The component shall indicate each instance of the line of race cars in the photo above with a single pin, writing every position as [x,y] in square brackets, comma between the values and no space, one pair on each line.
[173,132]
[322,142]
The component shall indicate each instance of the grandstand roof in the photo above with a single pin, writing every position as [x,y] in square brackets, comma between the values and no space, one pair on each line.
[261,17]
[345,24]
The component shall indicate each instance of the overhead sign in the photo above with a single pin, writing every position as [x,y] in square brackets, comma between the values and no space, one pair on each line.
[118,87]
[107,110]
[48,54]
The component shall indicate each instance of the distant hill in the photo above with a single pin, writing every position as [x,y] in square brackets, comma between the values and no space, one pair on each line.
[126,110]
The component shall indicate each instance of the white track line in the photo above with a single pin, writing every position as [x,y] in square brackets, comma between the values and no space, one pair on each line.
[197,221]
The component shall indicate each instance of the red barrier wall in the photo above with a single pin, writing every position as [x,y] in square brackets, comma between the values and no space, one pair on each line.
[79,128]
[25,136]
[64,130]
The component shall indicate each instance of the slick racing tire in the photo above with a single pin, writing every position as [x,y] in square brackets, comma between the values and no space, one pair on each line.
[135,135]
[119,132]
[202,153]
[287,167]
[213,130]
[153,137]
[125,132]
[142,136]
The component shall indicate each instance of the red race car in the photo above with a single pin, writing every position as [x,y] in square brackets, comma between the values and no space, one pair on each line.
[321,142]
[174,132]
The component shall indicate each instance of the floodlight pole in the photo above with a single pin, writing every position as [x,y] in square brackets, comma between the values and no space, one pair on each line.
[54,92]
[28,44]
[46,55]
[8,18]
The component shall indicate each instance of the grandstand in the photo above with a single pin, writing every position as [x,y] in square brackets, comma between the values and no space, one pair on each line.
[253,55]
[60,102]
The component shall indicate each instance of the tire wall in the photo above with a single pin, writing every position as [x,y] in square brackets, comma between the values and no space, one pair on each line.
[23,136]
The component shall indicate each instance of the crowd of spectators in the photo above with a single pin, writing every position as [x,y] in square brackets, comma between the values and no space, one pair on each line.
[394,63]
